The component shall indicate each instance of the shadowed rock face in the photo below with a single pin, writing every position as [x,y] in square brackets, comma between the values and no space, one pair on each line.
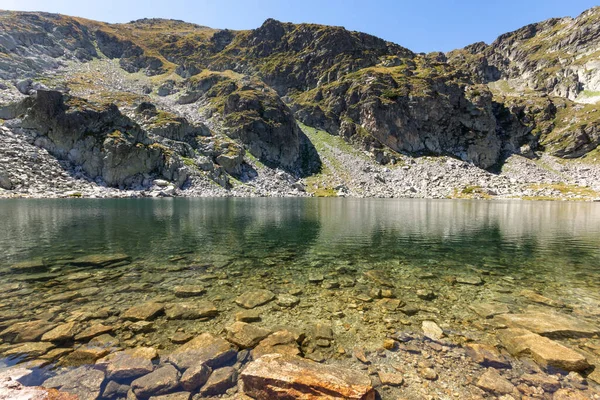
[105,143]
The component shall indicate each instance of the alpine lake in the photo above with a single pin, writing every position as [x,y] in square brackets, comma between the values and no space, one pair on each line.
[430,299]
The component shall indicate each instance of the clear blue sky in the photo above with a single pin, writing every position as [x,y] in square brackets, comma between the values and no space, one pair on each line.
[420,25]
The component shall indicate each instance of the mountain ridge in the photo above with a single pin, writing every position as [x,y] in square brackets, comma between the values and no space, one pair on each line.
[246,92]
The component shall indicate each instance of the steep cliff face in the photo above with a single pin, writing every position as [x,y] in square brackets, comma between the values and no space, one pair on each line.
[559,56]
[199,99]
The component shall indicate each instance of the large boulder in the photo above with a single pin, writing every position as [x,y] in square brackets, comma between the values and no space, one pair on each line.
[277,376]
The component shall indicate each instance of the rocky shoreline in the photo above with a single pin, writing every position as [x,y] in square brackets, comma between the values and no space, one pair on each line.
[335,332]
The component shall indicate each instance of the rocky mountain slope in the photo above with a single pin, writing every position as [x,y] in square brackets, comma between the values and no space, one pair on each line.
[162,107]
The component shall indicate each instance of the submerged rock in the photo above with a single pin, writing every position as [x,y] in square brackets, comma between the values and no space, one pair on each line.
[492,381]
[487,355]
[245,335]
[544,351]
[276,376]
[100,260]
[143,312]
[26,331]
[192,310]
[205,348]
[552,325]
[61,333]
[130,363]
[432,330]
[254,298]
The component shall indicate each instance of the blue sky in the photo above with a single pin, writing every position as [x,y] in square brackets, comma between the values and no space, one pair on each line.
[420,25]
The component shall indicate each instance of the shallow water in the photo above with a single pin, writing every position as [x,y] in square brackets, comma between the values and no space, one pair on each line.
[230,246]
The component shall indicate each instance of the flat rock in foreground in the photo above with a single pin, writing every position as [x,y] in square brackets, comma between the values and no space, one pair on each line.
[276,376]
[552,325]
[544,351]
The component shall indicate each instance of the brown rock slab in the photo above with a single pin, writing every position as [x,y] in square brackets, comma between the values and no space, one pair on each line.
[540,299]
[130,363]
[570,394]
[552,325]
[32,349]
[492,381]
[486,355]
[544,351]
[219,381]
[247,316]
[143,312]
[62,333]
[254,298]
[281,342]
[549,383]
[245,335]
[161,381]
[191,310]
[205,348]
[432,330]
[380,277]
[488,310]
[84,382]
[276,376]
[84,355]
[391,379]
[30,331]
[100,260]
[93,331]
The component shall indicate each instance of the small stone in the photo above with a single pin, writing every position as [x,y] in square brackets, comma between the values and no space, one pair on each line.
[316,278]
[429,374]
[143,312]
[287,300]
[389,344]
[180,338]
[390,379]
[254,298]
[84,355]
[161,381]
[492,381]
[361,356]
[322,331]
[142,327]
[387,294]
[469,280]
[425,294]
[247,316]
[432,330]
